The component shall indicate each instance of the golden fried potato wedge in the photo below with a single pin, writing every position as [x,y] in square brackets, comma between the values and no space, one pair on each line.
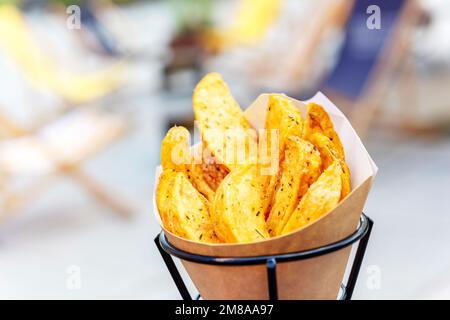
[175,149]
[320,198]
[268,165]
[238,209]
[285,199]
[269,184]
[299,169]
[284,116]
[329,154]
[318,120]
[222,124]
[283,120]
[326,147]
[176,154]
[189,211]
[313,168]
[163,196]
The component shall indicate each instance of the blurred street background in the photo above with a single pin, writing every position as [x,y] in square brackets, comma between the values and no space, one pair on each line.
[89,88]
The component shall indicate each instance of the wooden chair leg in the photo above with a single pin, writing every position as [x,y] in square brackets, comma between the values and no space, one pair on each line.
[13,201]
[99,191]
[13,129]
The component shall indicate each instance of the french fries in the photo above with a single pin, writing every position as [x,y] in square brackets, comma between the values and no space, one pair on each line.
[293,173]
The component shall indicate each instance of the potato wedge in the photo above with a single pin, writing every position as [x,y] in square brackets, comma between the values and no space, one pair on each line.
[176,154]
[222,124]
[284,116]
[318,120]
[175,149]
[329,154]
[269,185]
[299,169]
[188,211]
[238,211]
[326,147]
[320,198]
[268,165]
[313,168]
[163,196]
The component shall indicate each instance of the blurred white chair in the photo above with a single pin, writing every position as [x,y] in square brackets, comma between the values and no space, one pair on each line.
[58,149]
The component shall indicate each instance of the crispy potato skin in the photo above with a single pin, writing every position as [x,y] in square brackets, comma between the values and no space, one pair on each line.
[320,198]
[213,172]
[238,209]
[318,120]
[184,209]
[299,169]
[195,174]
[221,122]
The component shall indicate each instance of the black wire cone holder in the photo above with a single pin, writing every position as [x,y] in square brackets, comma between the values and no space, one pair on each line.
[361,234]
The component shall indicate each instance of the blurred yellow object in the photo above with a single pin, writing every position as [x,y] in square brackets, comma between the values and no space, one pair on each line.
[250,25]
[42,71]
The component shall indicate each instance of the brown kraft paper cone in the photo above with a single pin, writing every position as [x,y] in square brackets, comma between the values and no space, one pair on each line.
[316,278]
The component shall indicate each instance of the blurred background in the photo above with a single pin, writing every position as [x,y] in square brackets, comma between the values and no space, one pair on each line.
[89,88]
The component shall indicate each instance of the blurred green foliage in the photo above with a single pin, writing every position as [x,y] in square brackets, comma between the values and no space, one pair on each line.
[191,14]
[10,2]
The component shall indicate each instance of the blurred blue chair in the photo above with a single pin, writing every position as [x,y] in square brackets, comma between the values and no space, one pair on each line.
[369,57]
[101,33]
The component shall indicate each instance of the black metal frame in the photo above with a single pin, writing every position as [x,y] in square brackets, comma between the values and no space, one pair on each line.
[362,234]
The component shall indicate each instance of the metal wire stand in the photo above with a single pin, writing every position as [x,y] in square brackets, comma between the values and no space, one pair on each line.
[362,234]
